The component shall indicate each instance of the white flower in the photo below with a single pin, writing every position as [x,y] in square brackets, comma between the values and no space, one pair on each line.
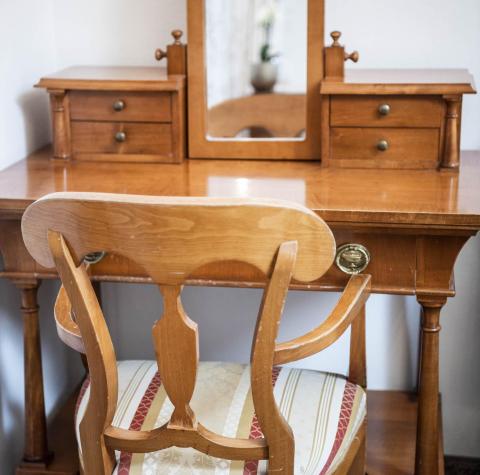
[267,13]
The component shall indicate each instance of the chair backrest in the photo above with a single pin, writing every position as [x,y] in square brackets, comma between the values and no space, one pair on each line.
[270,115]
[170,238]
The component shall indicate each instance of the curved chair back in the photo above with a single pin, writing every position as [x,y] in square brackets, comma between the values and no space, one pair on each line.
[170,238]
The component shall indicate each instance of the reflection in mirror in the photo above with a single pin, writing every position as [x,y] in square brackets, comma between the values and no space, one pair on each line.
[256,69]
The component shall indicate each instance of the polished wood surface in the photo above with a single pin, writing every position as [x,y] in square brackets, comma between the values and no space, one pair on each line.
[137,107]
[363,111]
[281,240]
[115,114]
[423,109]
[402,81]
[393,197]
[405,148]
[201,146]
[118,78]
[413,222]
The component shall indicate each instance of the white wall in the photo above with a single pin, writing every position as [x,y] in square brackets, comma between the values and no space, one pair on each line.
[28,51]
[59,33]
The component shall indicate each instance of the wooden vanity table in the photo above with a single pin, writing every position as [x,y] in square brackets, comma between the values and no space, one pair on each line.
[413,223]
[377,156]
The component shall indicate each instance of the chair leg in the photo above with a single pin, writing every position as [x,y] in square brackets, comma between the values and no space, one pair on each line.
[359,466]
[281,462]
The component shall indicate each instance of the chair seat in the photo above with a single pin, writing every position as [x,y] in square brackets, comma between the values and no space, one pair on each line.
[324,410]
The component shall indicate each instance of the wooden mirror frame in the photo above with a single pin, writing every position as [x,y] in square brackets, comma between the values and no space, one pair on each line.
[202,147]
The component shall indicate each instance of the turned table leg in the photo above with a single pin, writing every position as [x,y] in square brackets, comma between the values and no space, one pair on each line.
[427,455]
[36,449]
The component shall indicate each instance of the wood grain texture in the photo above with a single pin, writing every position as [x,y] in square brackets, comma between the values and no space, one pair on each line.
[60,114]
[36,445]
[175,336]
[349,307]
[407,148]
[408,112]
[102,365]
[402,81]
[274,426]
[138,107]
[383,197]
[113,78]
[92,138]
[194,232]
[200,146]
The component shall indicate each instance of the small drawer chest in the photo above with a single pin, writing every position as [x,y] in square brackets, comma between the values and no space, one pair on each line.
[394,119]
[118,114]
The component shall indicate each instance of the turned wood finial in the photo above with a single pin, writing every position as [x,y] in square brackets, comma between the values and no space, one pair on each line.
[160,54]
[355,56]
[336,35]
[177,36]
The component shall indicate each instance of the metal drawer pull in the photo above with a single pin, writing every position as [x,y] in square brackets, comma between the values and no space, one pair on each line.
[118,106]
[94,257]
[384,109]
[383,145]
[120,137]
[352,258]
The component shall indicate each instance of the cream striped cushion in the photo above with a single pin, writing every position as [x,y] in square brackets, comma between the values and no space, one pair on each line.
[324,411]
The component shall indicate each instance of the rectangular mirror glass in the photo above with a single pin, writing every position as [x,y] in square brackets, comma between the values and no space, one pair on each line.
[256,69]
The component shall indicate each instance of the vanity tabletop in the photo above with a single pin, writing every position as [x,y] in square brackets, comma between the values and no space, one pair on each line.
[120,78]
[402,81]
[430,199]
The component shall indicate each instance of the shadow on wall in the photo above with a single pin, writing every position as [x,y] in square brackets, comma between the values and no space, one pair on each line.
[34,105]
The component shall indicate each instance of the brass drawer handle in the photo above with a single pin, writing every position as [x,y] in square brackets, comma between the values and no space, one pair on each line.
[384,109]
[352,258]
[119,106]
[94,257]
[120,137]
[383,145]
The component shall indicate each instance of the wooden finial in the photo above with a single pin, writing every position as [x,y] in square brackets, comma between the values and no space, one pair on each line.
[177,35]
[336,35]
[355,56]
[160,54]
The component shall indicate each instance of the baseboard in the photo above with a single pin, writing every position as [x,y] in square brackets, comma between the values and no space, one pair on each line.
[461,465]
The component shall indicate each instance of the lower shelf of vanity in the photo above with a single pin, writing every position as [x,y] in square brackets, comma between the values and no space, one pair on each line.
[391,437]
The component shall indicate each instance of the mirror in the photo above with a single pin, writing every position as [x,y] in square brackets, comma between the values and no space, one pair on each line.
[256,57]
[254,73]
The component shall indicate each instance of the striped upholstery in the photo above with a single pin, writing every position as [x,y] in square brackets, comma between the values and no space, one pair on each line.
[324,411]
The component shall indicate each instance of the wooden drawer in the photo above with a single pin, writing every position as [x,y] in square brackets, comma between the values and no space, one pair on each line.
[387,251]
[135,107]
[407,148]
[404,111]
[99,138]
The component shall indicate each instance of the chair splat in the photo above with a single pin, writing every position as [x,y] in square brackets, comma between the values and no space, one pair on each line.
[175,338]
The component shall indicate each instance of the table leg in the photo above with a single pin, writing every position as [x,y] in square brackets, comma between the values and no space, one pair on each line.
[427,450]
[36,448]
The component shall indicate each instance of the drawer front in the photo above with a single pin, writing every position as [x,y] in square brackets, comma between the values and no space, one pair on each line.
[121,106]
[387,111]
[392,260]
[385,148]
[121,138]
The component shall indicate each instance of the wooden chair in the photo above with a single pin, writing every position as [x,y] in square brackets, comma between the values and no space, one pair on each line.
[299,421]
[261,115]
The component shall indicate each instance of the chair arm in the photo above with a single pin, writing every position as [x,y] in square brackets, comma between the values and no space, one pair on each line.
[353,299]
[67,329]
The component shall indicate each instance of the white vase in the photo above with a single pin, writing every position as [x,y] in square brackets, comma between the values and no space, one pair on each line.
[264,76]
